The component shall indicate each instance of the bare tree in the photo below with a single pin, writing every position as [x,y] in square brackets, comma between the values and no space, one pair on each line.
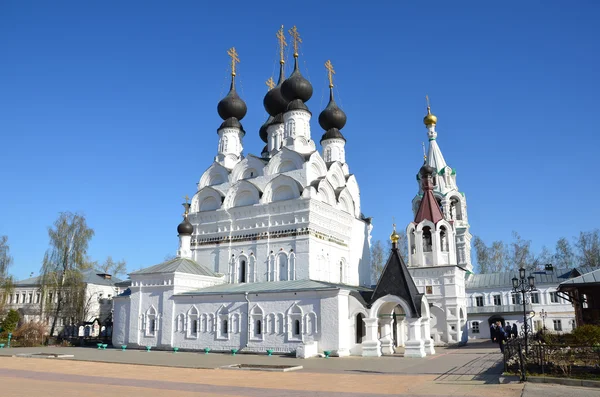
[6,281]
[564,255]
[520,255]
[64,260]
[377,260]
[588,245]
[490,259]
[113,268]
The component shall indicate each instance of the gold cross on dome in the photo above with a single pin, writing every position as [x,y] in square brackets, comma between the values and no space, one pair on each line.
[297,40]
[234,59]
[427,99]
[394,222]
[270,83]
[424,155]
[186,198]
[282,43]
[330,72]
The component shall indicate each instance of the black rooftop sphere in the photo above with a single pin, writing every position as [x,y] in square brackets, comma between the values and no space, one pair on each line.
[296,86]
[232,105]
[426,170]
[332,116]
[274,101]
[185,228]
[264,136]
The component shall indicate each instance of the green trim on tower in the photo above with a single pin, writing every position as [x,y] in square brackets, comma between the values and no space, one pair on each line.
[453,171]
[431,139]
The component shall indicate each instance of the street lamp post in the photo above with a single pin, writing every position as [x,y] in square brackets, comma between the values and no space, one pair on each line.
[524,285]
[544,314]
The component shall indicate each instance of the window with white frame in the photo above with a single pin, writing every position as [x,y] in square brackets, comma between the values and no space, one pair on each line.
[256,315]
[479,301]
[222,319]
[37,298]
[192,320]
[557,325]
[516,299]
[554,297]
[497,300]
[535,298]
[295,323]
[475,327]
[150,323]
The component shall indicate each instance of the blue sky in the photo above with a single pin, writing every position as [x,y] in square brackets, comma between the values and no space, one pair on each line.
[109,109]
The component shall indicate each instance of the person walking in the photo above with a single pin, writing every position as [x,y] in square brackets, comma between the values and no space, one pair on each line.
[493,332]
[507,330]
[515,332]
[499,336]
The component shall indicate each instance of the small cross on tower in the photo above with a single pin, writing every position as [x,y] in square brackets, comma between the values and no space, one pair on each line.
[330,72]
[297,40]
[282,43]
[270,83]
[234,59]
[427,99]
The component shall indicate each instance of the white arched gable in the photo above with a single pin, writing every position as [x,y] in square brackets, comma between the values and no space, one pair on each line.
[315,167]
[257,310]
[250,167]
[424,223]
[446,224]
[193,311]
[392,301]
[241,194]
[216,174]
[151,311]
[281,188]
[345,201]
[294,309]
[285,160]
[207,199]
[327,192]
[352,186]
[335,175]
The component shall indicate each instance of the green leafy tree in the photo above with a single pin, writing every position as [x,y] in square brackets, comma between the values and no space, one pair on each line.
[6,281]
[10,322]
[63,262]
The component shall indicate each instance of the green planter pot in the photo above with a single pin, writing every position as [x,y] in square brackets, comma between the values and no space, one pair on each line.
[1,345]
[327,353]
[99,346]
[148,348]
[269,353]
[206,350]
[123,347]
[104,346]
[175,349]
[233,351]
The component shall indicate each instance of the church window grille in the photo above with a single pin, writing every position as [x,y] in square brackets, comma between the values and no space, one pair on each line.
[479,301]
[475,327]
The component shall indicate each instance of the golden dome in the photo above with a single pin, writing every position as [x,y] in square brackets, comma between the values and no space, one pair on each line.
[430,119]
[394,236]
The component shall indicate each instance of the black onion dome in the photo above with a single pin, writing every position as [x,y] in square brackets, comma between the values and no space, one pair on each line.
[332,133]
[265,151]
[277,119]
[297,104]
[332,116]
[185,228]
[232,105]
[231,122]
[263,130]
[426,170]
[296,86]
[274,101]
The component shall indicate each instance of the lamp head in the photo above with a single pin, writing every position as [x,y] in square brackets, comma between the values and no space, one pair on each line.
[531,280]
[522,273]
[515,282]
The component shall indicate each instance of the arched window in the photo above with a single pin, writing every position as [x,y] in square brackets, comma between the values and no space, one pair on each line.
[455,209]
[361,328]
[282,264]
[444,238]
[296,327]
[439,203]
[257,327]
[413,247]
[242,271]
[427,239]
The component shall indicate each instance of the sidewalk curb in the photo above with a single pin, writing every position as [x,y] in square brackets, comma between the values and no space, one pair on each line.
[564,381]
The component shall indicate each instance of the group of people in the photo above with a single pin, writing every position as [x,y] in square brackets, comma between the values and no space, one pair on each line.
[499,334]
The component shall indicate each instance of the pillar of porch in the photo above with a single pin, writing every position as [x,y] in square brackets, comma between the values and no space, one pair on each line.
[414,346]
[427,341]
[371,347]
[387,337]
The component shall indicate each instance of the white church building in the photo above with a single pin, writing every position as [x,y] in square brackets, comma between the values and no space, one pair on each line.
[274,252]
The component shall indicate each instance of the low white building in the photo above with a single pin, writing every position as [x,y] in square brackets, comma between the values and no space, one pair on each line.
[490,298]
[27,298]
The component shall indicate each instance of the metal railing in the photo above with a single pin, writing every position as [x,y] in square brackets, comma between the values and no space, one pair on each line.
[497,309]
